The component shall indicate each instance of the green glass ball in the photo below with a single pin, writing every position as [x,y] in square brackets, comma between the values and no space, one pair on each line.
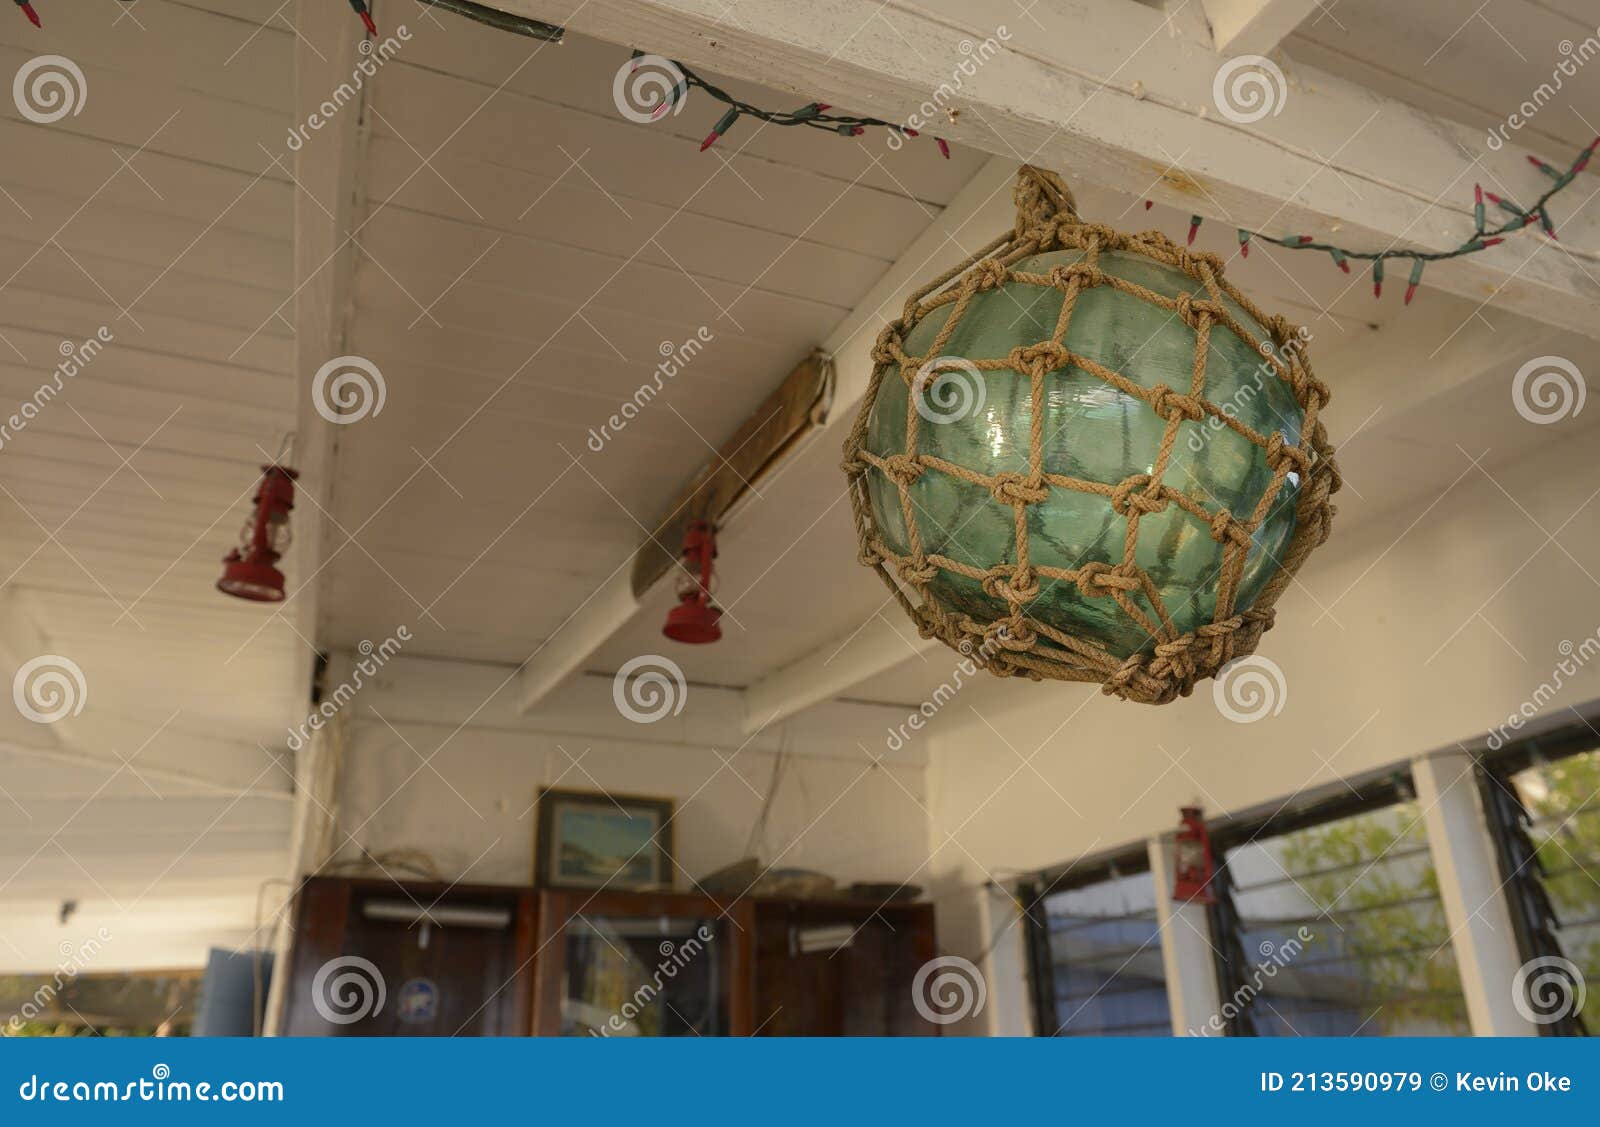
[1092,431]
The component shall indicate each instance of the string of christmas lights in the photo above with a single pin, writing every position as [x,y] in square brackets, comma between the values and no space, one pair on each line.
[813,115]
[1483,237]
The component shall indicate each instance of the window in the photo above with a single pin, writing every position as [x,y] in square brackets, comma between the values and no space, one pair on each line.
[1097,956]
[1331,925]
[1547,829]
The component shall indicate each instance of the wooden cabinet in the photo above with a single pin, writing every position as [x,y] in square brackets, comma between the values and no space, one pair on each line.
[840,968]
[373,958]
[377,958]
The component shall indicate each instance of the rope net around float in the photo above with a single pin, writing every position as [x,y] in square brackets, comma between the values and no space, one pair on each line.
[1019,644]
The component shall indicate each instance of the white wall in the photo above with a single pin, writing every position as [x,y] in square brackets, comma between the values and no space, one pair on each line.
[470,807]
[1438,627]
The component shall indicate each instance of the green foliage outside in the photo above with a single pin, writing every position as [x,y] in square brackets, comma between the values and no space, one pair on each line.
[1385,917]
[1402,950]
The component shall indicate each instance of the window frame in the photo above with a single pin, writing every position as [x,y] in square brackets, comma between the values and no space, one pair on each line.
[1128,861]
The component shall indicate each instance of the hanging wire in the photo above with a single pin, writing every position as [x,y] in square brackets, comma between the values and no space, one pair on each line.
[285,454]
[501,21]
[813,115]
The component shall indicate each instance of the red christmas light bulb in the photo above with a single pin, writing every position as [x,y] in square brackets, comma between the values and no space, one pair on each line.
[27,10]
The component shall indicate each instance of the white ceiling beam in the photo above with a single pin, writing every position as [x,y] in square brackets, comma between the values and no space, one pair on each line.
[830,670]
[974,214]
[1131,107]
[326,54]
[1254,27]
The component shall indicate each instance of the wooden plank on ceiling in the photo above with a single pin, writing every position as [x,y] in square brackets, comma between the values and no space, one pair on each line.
[796,407]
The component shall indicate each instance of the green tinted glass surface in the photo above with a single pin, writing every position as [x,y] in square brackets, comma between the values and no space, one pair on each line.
[1094,432]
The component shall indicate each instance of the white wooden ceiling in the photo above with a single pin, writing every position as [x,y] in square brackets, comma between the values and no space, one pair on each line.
[158,213]
[517,283]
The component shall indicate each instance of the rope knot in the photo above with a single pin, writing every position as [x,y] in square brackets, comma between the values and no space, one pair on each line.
[1014,585]
[1062,275]
[1118,683]
[990,274]
[1037,359]
[1097,580]
[1014,489]
[1316,392]
[1167,403]
[1015,635]
[916,575]
[1280,451]
[902,470]
[1224,527]
[887,349]
[1191,309]
[1125,496]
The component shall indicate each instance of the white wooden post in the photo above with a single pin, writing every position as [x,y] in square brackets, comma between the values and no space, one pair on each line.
[1470,885]
[1186,950]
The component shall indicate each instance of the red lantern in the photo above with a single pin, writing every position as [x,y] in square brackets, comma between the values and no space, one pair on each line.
[1192,859]
[695,620]
[249,571]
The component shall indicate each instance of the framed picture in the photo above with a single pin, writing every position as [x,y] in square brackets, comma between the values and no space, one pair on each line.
[586,839]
